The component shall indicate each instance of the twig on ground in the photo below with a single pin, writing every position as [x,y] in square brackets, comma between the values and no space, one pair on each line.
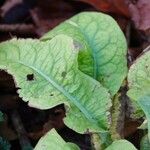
[18,28]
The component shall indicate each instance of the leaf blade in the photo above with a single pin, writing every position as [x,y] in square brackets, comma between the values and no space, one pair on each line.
[144,103]
[45,62]
[121,144]
[93,30]
[139,82]
[53,141]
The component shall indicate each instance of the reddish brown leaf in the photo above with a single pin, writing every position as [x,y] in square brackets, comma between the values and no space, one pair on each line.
[112,6]
[136,10]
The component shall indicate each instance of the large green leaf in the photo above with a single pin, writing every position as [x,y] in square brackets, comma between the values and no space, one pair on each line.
[139,81]
[52,141]
[103,53]
[47,75]
[121,145]
[144,103]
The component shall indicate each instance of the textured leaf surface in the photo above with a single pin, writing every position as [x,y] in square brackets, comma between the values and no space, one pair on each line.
[103,52]
[47,75]
[52,141]
[139,81]
[121,145]
[144,103]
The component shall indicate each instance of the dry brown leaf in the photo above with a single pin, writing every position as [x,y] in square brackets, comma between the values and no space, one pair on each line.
[136,10]
[112,6]
[140,14]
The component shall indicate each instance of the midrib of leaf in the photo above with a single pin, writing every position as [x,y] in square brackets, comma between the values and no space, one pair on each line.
[95,68]
[95,76]
[62,90]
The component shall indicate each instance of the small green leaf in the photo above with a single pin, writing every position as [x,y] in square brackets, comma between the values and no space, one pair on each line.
[53,141]
[121,145]
[47,74]
[144,103]
[145,144]
[139,81]
[103,51]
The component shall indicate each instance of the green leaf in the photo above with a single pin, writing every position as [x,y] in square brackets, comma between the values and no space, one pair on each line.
[52,140]
[139,81]
[144,103]
[47,74]
[103,50]
[145,144]
[121,145]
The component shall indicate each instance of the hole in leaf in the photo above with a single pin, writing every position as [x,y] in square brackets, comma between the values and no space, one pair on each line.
[52,94]
[63,74]
[30,77]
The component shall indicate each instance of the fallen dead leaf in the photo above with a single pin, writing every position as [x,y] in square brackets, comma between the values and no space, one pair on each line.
[136,10]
